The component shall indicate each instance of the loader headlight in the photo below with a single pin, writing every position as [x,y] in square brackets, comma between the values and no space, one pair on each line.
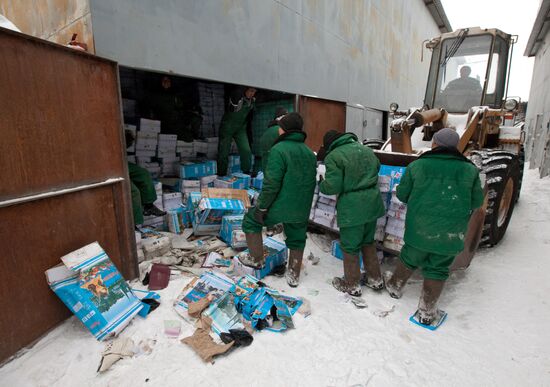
[510,104]
[393,107]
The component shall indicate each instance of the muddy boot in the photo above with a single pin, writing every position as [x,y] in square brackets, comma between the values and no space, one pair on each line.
[294,266]
[396,281]
[427,306]
[255,255]
[352,276]
[373,277]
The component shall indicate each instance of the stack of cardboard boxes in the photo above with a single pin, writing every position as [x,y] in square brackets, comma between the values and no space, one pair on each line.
[166,154]
[211,98]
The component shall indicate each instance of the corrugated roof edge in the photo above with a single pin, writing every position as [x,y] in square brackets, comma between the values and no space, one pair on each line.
[438,13]
[539,29]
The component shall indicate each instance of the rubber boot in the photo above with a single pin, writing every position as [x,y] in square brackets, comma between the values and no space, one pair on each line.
[427,306]
[150,209]
[255,256]
[396,281]
[294,266]
[350,283]
[373,277]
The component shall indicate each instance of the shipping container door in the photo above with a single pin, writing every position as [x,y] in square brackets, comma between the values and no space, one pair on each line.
[365,122]
[321,115]
[64,180]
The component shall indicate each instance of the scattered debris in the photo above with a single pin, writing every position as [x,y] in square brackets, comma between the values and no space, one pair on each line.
[172,328]
[114,351]
[384,313]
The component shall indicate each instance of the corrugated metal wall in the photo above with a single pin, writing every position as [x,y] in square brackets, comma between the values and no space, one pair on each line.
[538,111]
[355,51]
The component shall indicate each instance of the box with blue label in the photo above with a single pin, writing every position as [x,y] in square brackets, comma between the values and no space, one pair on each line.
[192,202]
[210,211]
[258,181]
[198,169]
[393,172]
[275,254]
[231,231]
[93,289]
[234,163]
[235,181]
[253,195]
[177,219]
[337,251]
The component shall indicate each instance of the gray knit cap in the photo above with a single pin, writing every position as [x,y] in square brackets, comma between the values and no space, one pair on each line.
[446,137]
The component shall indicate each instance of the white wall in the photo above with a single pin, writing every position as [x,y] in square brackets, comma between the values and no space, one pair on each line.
[356,51]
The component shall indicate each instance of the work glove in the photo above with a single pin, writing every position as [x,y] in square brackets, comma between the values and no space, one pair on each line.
[260,215]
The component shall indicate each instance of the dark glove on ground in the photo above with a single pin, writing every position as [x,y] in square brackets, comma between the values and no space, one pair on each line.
[240,336]
[260,215]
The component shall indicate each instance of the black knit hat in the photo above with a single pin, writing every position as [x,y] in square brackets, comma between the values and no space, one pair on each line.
[331,136]
[292,122]
[279,112]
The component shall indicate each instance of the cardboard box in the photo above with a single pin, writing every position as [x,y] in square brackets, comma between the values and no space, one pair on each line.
[168,137]
[258,181]
[231,224]
[146,135]
[208,181]
[145,153]
[210,211]
[149,125]
[186,184]
[93,289]
[235,181]
[198,169]
[200,147]
[172,200]
[276,255]
[131,159]
[337,252]
[324,218]
[326,207]
[177,219]
[227,193]
[253,195]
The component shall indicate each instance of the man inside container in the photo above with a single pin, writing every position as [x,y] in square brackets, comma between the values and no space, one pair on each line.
[142,189]
[234,127]
[167,107]
[287,193]
[352,175]
[442,189]
[271,135]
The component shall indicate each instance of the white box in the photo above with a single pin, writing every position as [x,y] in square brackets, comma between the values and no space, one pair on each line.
[145,153]
[187,183]
[146,135]
[149,125]
[168,137]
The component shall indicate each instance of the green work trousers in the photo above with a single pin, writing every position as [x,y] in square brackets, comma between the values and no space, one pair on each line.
[434,266]
[142,190]
[227,135]
[353,238]
[295,232]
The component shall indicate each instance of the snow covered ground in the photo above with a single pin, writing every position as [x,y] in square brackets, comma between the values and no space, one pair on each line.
[496,332]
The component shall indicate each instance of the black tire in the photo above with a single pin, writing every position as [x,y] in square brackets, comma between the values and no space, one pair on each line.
[502,172]
[521,160]
[374,143]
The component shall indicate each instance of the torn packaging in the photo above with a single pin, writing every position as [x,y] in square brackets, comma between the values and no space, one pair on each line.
[204,345]
[114,351]
[214,284]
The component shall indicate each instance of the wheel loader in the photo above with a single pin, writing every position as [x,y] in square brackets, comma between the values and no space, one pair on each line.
[467,91]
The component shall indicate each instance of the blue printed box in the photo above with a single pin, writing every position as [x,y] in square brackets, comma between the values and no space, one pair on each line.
[210,211]
[258,181]
[231,231]
[93,289]
[338,253]
[235,181]
[196,170]
[275,253]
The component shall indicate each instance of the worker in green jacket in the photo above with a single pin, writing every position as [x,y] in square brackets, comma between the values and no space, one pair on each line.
[287,193]
[142,189]
[442,189]
[352,175]
[233,127]
[271,135]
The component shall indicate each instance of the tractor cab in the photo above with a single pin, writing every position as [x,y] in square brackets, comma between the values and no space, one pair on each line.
[468,68]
